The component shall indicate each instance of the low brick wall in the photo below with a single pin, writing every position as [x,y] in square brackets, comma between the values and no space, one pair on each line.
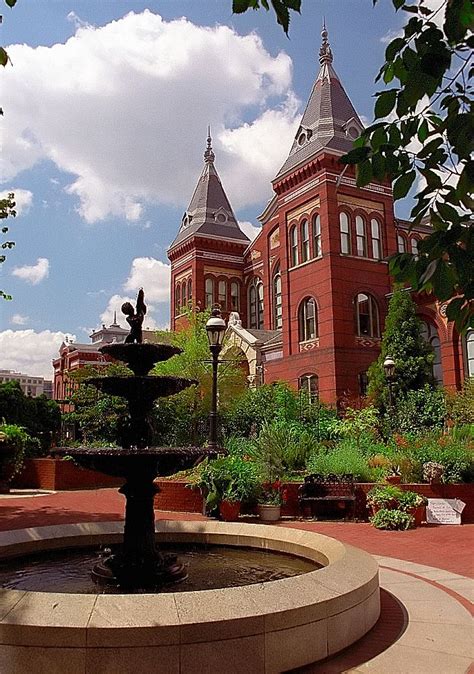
[175,496]
[58,475]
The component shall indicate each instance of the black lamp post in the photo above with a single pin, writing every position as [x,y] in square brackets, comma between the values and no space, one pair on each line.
[215,328]
[389,369]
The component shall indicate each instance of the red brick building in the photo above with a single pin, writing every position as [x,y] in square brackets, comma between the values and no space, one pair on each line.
[312,289]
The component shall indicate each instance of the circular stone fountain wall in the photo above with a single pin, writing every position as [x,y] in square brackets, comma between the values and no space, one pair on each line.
[266,627]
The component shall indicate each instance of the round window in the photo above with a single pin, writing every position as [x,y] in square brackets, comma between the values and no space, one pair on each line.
[220,217]
[301,138]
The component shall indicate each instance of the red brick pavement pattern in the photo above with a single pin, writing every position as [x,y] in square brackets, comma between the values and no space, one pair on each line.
[445,547]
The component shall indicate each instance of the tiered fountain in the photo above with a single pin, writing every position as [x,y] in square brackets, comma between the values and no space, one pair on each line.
[139,563]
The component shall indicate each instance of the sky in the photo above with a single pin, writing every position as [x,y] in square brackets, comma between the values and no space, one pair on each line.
[106,107]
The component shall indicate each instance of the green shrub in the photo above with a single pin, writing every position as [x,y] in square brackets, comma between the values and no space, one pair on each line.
[344,458]
[419,411]
[457,456]
[13,443]
[460,404]
[392,520]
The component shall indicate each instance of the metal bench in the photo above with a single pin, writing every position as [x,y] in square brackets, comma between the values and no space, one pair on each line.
[336,489]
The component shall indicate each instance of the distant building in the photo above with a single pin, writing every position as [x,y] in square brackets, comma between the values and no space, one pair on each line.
[31,385]
[307,299]
[74,355]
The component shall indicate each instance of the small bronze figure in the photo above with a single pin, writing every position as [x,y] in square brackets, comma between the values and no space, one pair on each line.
[135,318]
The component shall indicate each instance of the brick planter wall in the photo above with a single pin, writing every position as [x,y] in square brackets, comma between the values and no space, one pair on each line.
[175,496]
[57,475]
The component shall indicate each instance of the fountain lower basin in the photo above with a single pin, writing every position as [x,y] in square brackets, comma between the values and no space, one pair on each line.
[267,627]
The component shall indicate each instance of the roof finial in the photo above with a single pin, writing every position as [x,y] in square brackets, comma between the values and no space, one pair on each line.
[115,318]
[325,53]
[209,155]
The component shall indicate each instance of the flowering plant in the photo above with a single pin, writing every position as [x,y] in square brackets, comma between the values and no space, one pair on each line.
[272,493]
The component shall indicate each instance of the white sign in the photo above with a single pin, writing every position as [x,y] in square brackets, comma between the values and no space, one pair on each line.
[444,511]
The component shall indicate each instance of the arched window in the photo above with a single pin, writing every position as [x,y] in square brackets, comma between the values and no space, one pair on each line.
[222,294]
[256,304]
[401,244]
[304,241]
[317,247]
[308,320]
[308,384]
[376,241]
[469,348]
[177,298]
[294,246]
[277,301]
[184,287]
[361,237]
[190,289]
[431,337]
[209,292]
[367,316]
[345,231]
[414,246]
[235,296]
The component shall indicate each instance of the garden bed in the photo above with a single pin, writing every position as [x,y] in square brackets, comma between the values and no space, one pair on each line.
[60,474]
[175,496]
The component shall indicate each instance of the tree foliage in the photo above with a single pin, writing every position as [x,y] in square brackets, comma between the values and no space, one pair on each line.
[282,9]
[7,210]
[426,138]
[40,416]
[403,341]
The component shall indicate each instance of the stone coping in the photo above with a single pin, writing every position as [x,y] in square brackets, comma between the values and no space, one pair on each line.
[285,623]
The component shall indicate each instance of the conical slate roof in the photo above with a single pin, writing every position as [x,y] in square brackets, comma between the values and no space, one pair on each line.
[329,121]
[209,212]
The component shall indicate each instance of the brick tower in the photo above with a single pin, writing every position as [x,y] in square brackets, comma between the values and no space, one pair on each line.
[207,254]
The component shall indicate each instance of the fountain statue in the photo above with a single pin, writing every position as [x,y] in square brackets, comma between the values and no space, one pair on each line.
[139,563]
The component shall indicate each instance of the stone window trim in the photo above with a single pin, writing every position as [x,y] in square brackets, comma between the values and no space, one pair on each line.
[293,246]
[308,383]
[277,298]
[255,303]
[345,232]
[316,238]
[209,291]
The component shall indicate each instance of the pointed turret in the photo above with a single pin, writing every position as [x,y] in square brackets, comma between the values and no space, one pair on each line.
[209,212]
[329,120]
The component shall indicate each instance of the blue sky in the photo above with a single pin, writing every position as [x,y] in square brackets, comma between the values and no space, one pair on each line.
[106,109]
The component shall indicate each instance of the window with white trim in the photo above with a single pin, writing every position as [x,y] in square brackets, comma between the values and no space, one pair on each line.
[294,246]
[361,237]
[308,319]
[317,247]
[304,241]
[376,241]
[309,384]
[367,316]
[345,231]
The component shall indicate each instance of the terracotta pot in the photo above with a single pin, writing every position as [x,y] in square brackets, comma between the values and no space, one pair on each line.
[269,513]
[229,510]
[419,514]
[393,479]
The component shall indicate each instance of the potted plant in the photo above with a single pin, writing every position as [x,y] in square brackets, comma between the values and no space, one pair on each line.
[414,504]
[225,483]
[394,476]
[13,441]
[392,520]
[270,499]
[386,497]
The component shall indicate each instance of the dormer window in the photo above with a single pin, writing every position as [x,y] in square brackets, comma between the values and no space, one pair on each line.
[302,138]
[186,220]
[220,216]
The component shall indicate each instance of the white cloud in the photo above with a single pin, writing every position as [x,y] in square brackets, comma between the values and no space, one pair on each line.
[18,319]
[23,199]
[138,94]
[35,273]
[152,275]
[249,229]
[29,351]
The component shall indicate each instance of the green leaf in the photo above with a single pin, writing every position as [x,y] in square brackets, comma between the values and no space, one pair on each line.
[364,173]
[385,103]
[403,184]
[389,73]
[356,155]
[447,212]
[378,166]
[423,131]
[3,57]
[11,3]
[393,48]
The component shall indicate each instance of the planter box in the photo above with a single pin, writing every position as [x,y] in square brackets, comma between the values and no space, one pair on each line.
[175,496]
[58,475]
